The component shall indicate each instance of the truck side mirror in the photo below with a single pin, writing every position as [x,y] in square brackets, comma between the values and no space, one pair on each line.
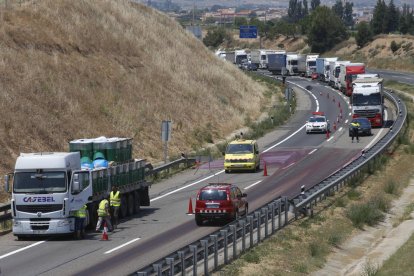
[7,183]
[75,184]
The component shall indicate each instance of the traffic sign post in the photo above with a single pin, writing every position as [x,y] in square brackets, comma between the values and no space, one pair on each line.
[166,136]
[248,31]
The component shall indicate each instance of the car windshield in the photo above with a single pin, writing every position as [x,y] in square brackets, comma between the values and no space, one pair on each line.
[362,100]
[317,120]
[213,195]
[239,148]
[39,182]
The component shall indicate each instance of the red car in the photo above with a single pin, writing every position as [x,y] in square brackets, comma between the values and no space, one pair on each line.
[220,201]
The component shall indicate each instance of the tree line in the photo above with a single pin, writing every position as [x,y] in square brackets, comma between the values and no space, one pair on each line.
[325,27]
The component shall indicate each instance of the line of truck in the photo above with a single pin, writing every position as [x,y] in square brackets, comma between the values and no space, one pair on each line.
[365,90]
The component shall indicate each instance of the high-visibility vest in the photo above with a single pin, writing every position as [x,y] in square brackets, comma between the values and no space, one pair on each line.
[115,199]
[355,125]
[81,213]
[102,208]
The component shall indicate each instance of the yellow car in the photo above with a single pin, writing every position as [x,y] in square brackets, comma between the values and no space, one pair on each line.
[242,155]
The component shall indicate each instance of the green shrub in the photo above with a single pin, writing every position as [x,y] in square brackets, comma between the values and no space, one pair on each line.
[364,213]
[391,187]
[252,257]
[394,46]
[353,194]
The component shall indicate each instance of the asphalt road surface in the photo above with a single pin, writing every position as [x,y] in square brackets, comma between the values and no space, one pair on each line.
[293,158]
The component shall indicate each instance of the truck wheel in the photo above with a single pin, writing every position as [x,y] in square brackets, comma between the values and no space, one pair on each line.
[131,206]
[198,220]
[124,208]
[137,203]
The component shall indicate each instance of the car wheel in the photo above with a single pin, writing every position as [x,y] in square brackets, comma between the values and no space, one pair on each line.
[198,220]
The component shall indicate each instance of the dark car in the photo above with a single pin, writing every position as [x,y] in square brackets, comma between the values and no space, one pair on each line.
[364,126]
[221,201]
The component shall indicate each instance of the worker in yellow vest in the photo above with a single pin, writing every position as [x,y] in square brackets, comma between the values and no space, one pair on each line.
[103,214]
[80,216]
[115,202]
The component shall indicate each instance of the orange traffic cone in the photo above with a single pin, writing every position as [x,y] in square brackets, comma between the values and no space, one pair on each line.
[264,169]
[104,233]
[190,207]
[327,134]
[334,126]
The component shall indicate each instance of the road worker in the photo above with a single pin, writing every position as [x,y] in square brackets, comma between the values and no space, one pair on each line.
[103,214]
[115,202]
[354,131]
[80,216]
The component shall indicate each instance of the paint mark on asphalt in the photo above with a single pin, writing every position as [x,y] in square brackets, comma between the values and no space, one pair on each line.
[312,151]
[21,249]
[122,245]
[254,184]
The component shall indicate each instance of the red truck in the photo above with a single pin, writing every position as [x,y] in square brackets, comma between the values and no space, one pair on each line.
[348,74]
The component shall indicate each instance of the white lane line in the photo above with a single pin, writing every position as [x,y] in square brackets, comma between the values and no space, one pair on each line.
[290,165]
[330,138]
[340,129]
[379,132]
[189,185]
[350,113]
[312,151]
[122,245]
[346,121]
[21,249]
[254,184]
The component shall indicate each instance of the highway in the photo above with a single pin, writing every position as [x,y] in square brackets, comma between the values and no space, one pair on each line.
[293,158]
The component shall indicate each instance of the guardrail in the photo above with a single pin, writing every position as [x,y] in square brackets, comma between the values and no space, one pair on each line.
[204,253]
[236,237]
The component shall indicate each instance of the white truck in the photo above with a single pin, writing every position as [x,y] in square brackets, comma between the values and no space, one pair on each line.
[307,64]
[334,70]
[49,187]
[323,67]
[240,56]
[367,99]
[291,64]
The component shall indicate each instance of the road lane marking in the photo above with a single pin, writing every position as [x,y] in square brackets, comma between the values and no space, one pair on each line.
[340,129]
[122,245]
[290,165]
[21,249]
[330,138]
[312,151]
[379,132]
[184,187]
[254,184]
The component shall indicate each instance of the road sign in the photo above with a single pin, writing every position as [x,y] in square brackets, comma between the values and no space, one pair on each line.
[248,31]
[166,131]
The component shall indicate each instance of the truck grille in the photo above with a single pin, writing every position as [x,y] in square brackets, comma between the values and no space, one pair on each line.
[369,113]
[39,208]
[39,223]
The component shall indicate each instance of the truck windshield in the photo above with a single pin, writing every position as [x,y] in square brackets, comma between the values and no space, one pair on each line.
[362,100]
[337,71]
[311,63]
[239,148]
[39,182]
[293,62]
[239,58]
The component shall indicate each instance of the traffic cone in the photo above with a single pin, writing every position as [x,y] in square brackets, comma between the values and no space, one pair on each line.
[327,134]
[104,233]
[264,169]
[333,99]
[339,104]
[334,126]
[190,207]
[327,94]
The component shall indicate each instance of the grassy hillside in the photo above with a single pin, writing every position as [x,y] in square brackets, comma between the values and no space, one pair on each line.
[88,68]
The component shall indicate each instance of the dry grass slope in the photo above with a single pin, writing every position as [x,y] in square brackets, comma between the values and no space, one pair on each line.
[86,68]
